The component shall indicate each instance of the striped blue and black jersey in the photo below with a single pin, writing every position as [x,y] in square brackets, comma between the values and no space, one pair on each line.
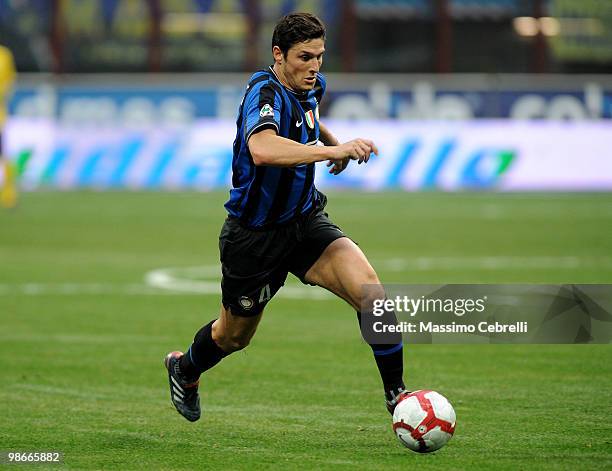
[263,196]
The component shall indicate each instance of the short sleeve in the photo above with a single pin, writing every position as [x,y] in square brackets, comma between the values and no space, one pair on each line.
[262,109]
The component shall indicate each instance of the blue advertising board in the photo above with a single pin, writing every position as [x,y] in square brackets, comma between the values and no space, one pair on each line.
[177,104]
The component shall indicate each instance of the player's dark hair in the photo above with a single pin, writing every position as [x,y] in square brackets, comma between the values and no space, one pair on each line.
[296,28]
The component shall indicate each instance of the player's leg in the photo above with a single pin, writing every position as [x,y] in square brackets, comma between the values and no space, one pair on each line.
[343,269]
[232,332]
[213,342]
[216,340]
[250,279]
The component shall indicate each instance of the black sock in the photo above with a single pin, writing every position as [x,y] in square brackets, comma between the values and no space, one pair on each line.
[202,355]
[390,362]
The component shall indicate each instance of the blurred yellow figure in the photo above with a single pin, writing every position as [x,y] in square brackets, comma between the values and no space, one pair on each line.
[8,177]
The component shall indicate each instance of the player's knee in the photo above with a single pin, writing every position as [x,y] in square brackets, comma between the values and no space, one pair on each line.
[371,289]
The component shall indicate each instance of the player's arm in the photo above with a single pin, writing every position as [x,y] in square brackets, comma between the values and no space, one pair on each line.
[267,148]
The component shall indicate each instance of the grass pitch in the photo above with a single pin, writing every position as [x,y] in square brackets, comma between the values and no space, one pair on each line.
[83,338]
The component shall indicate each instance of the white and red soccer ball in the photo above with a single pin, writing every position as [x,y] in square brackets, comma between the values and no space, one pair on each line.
[424,421]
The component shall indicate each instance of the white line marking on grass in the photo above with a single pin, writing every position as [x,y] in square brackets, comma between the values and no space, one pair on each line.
[205,280]
[173,281]
[74,288]
[490,263]
[62,391]
[77,339]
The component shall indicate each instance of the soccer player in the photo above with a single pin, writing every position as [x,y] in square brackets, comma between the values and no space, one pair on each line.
[8,187]
[276,222]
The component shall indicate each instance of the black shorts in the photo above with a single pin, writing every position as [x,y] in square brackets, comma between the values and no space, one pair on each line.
[255,263]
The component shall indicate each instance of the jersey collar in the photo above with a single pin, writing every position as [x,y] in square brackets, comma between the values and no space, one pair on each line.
[297,94]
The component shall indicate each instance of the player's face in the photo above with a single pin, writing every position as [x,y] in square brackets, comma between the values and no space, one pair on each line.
[299,69]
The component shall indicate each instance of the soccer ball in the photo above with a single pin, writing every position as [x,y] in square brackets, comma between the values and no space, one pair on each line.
[424,421]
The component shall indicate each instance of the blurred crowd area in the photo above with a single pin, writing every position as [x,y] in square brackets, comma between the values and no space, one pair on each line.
[367,36]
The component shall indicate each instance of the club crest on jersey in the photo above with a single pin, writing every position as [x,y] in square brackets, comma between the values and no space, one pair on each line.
[266,110]
[310,119]
[246,302]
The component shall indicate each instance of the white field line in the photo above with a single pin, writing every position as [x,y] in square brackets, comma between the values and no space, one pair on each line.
[74,288]
[185,280]
[205,280]
[63,391]
[84,339]
[491,263]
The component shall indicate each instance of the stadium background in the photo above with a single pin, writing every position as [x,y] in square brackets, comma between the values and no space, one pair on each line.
[502,106]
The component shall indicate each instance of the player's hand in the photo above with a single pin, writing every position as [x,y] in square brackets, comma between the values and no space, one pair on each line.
[357,149]
[338,165]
